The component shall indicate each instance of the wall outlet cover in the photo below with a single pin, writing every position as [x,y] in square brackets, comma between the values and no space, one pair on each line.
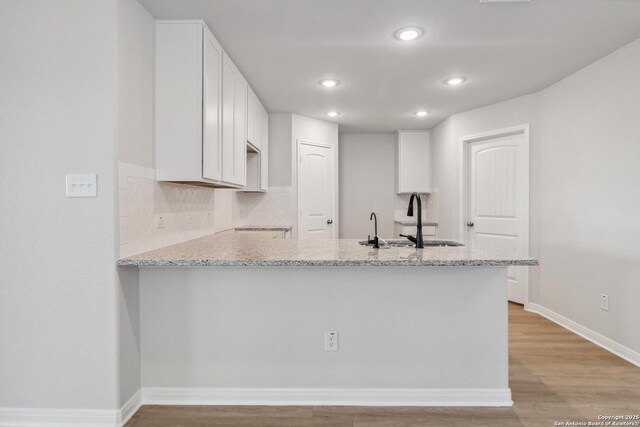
[330,340]
[159,221]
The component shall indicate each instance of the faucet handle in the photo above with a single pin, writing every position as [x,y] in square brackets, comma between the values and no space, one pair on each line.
[410,238]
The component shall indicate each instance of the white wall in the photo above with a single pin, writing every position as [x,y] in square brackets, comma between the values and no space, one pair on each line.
[583,153]
[57,254]
[280,204]
[367,179]
[589,207]
[135,137]
[136,80]
[314,130]
[280,155]
[444,177]
[447,151]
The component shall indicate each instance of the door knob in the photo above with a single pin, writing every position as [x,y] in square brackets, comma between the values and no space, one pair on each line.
[329,221]
[469,224]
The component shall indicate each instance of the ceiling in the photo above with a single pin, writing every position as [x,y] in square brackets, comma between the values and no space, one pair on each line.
[285,47]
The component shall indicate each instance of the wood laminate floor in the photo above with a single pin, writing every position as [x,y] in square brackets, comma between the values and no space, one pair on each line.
[555,376]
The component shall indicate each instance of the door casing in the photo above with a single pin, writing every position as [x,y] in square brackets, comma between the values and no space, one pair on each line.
[334,151]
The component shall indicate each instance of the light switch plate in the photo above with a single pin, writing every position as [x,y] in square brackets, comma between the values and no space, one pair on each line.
[82,185]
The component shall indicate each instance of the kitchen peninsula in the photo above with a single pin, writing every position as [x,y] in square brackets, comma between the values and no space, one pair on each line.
[229,320]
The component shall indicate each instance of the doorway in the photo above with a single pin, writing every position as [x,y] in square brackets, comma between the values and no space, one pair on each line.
[495,198]
[316,191]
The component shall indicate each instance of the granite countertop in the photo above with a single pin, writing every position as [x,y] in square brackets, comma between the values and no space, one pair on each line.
[415,222]
[229,250]
[263,228]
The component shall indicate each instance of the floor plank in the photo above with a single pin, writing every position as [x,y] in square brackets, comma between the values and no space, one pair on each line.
[555,375]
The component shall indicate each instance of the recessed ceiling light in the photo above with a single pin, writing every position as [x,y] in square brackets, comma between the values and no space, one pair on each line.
[454,81]
[329,83]
[333,114]
[421,113]
[409,33]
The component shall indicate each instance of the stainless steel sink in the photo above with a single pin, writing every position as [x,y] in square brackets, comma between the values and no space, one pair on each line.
[402,243]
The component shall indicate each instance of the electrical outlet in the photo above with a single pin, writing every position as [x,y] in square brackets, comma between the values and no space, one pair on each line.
[376,208]
[189,219]
[330,340]
[209,217]
[159,222]
[604,302]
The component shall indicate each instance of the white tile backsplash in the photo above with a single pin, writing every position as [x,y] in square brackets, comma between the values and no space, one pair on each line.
[277,206]
[429,206]
[189,212]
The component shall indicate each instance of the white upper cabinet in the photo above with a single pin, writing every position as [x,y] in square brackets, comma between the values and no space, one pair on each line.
[203,108]
[240,130]
[413,171]
[234,124]
[212,130]
[254,119]
[258,158]
[188,103]
[264,153]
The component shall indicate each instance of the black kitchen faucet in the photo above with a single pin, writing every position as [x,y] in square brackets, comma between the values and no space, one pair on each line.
[418,239]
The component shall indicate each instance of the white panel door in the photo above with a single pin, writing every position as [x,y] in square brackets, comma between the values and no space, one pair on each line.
[498,207]
[316,192]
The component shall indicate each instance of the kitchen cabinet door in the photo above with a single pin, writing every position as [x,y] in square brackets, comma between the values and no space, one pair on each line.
[240,129]
[234,124]
[253,119]
[413,171]
[189,106]
[212,114]
[264,157]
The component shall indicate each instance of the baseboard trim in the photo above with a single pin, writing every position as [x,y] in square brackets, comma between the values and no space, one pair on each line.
[600,340]
[34,417]
[130,407]
[326,396]
[37,417]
